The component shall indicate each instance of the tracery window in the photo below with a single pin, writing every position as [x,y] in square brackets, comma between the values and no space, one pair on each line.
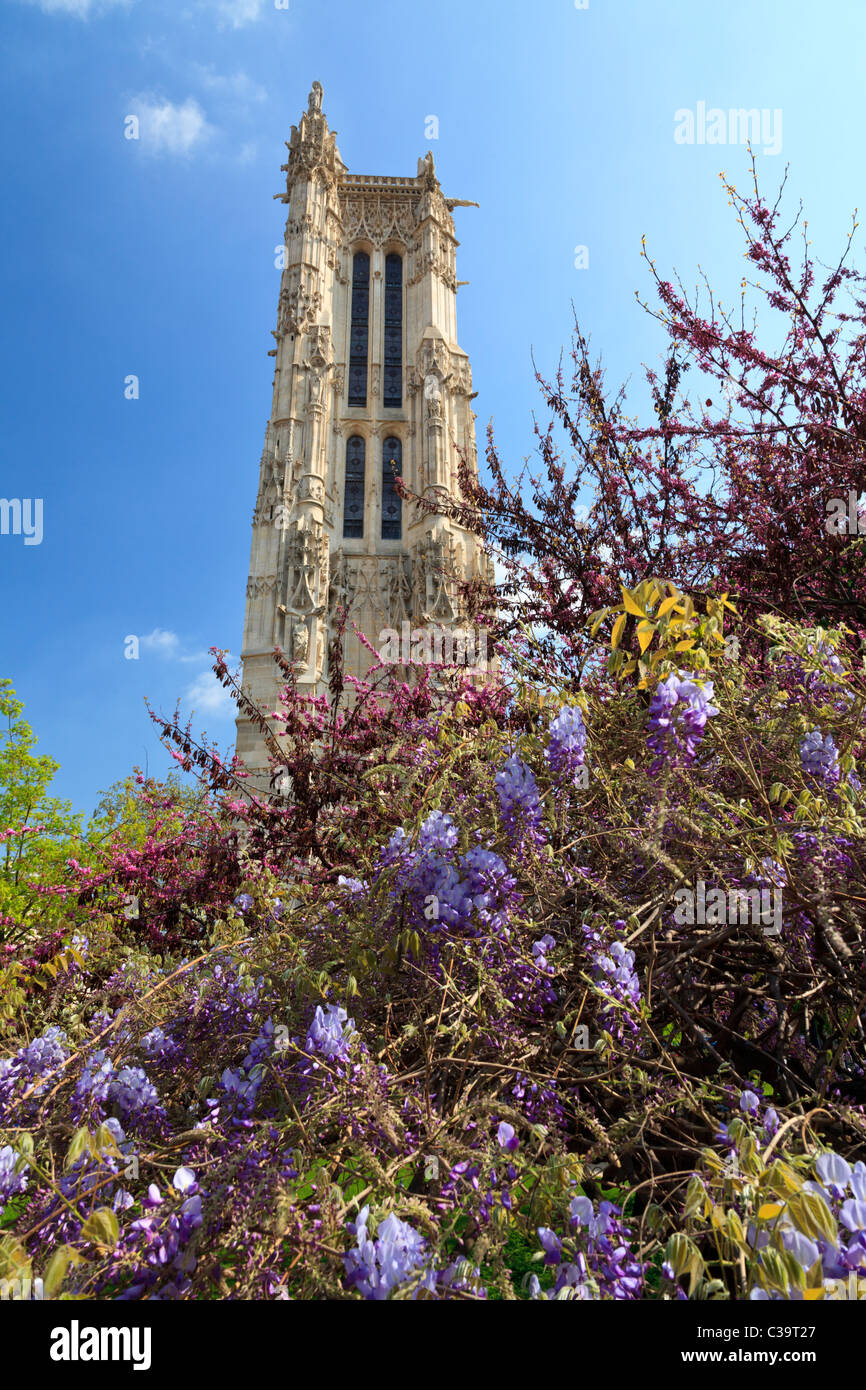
[392,504]
[393,389]
[353,501]
[360,329]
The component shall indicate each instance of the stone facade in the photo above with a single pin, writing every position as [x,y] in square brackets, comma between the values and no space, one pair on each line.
[367,370]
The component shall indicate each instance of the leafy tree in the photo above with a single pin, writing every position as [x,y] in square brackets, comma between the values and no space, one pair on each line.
[38,832]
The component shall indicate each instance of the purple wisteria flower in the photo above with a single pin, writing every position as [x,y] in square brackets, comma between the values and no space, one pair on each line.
[471,893]
[595,1260]
[28,1071]
[330,1033]
[438,833]
[398,1254]
[677,718]
[566,750]
[241,1084]
[165,1243]
[614,973]
[158,1045]
[506,1138]
[519,799]
[376,1267]
[351,885]
[13,1175]
[128,1089]
[541,950]
[820,758]
[824,653]
[842,1189]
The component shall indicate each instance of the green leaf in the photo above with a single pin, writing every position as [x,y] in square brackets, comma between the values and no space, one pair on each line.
[696,1196]
[78,1145]
[57,1267]
[101,1227]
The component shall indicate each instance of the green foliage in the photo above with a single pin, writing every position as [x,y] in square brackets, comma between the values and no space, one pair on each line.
[38,857]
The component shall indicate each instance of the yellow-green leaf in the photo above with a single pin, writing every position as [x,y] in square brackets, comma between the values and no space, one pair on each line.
[101,1227]
[668,604]
[769,1211]
[56,1271]
[630,605]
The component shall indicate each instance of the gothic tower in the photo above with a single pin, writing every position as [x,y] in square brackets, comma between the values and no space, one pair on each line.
[368,380]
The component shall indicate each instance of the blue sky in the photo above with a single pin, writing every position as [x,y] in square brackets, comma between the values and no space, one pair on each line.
[155,258]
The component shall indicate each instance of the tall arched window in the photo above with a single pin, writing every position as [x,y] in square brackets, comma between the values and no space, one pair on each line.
[353,500]
[358,342]
[392,505]
[393,393]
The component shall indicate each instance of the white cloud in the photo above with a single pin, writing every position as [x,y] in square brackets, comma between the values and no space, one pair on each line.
[207,696]
[161,642]
[237,84]
[81,9]
[170,128]
[237,13]
[166,644]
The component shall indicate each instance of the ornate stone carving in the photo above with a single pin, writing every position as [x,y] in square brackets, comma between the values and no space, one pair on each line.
[379,215]
[396,588]
[260,584]
[433,396]
[297,310]
[341,592]
[312,146]
[436,567]
[306,576]
[311,489]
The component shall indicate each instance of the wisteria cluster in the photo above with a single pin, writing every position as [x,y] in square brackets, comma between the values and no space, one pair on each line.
[472,892]
[330,1034]
[162,1240]
[678,717]
[398,1256]
[566,749]
[27,1072]
[613,968]
[240,1085]
[820,757]
[103,1086]
[519,800]
[595,1260]
[840,1189]
[13,1175]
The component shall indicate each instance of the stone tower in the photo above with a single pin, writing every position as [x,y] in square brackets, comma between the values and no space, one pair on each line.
[368,381]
